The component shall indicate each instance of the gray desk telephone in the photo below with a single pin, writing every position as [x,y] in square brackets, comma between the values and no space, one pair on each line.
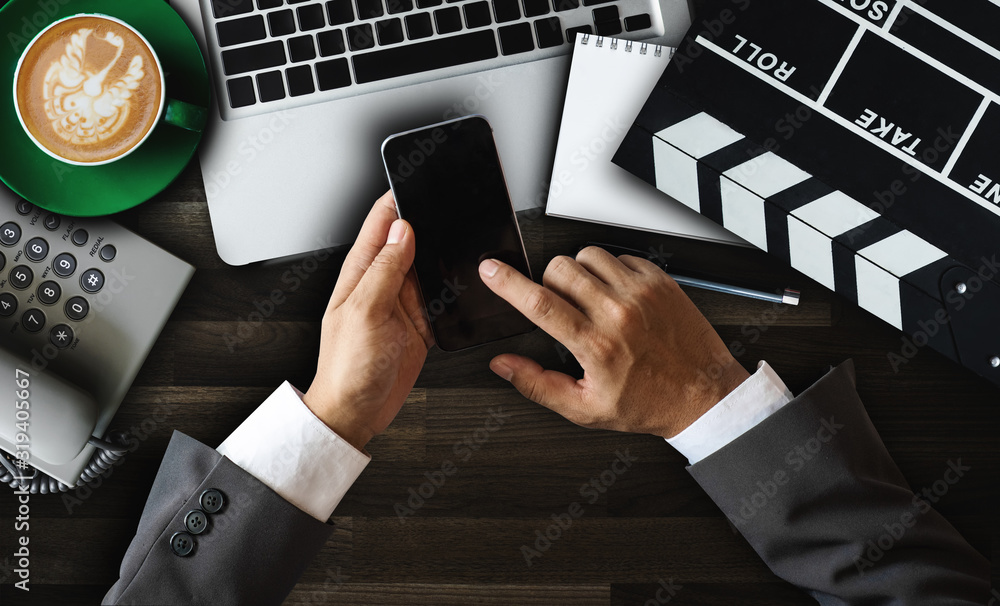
[81,303]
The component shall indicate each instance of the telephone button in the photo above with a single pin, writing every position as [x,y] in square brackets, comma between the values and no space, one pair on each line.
[49,292]
[77,308]
[52,222]
[33,320]
[36,249]
[61,336]
[108,253]
[8,304]
[21,277]
[64,265]
[80,237]
[92,280]
[3,260]
[10,233]
[24,207]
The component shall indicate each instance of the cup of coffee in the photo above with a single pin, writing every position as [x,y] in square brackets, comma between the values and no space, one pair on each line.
[89,90]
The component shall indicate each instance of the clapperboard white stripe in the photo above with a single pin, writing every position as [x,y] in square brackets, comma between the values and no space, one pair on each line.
[891,254]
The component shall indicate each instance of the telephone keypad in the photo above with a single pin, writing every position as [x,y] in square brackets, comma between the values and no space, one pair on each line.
[64,265]
[77,308]
[21,277]
[92,280]
[10,233]
[61,336]
[36,249]
[49,292]
[33,320]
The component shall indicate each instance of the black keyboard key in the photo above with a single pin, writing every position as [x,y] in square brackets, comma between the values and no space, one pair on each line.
[637,22]
[605,13]
[310,17]
[271,86]
[297,1]
[281,23]
[266,4]
[65,264]
[369,9]
[506,10]
[36,249]
[24,207]
[565,5]
[48,292]
[333,74]
[608,28]
[535,8]
[92,280]
[61,336]
[240,92]
[340,11]
[253,58]
[419,26]
[33,320]
[360,37]
[448,20]
[398,6]
[10,233]
[301,48]
[573,31]
[8,304]
[21,277]
[594,2]
[300,80]
[516,39]
[231,8]
[549,32]
[428,3]
[331,43]
[389,31]
[424,56]
[77,308]
[240,31]
[477,14]
[52,222]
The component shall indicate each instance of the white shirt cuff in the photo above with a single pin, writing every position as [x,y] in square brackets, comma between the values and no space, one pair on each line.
[285,446]
[754,400]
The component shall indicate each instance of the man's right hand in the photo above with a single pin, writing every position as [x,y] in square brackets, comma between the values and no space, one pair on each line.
[652,363]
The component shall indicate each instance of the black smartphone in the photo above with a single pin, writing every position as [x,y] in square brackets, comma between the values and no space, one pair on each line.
[449,184]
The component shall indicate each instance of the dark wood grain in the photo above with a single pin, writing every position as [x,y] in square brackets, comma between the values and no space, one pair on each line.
[213,365]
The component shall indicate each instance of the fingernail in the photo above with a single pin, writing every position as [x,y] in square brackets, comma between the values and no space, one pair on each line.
[505,372]
[397,231]
[488,268]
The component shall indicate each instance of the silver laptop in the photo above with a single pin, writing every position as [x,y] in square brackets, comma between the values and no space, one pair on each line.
[305,91]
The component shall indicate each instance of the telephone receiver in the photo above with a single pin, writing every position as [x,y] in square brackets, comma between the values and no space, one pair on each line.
[45,415]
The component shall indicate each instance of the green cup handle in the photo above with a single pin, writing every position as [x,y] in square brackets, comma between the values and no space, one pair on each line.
[185,115]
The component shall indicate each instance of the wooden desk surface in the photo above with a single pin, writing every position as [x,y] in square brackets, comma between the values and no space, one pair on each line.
[216,361]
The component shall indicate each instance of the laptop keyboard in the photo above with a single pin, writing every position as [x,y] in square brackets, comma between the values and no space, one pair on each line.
[277,54]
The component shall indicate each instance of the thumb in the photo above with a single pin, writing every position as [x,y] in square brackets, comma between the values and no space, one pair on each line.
[554,390]
[380,286]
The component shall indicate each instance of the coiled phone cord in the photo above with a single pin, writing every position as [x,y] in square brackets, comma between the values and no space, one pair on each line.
[109,453]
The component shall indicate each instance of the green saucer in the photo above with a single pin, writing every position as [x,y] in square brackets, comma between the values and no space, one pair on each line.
[87,191]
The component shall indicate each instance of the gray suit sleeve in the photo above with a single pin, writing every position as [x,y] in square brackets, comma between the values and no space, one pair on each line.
[253,552]
[815,492]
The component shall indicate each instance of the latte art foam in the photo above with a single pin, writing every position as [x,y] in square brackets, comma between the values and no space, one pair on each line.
[88,89]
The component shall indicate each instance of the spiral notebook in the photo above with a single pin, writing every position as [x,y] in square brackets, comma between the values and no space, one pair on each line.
[608,83]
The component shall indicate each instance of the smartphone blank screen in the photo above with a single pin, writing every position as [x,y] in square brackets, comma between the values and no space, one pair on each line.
[449,185]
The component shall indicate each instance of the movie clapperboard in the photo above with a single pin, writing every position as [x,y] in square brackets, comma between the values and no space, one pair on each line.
[859,140]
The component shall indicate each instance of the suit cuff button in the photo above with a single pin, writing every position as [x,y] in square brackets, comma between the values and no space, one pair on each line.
[212,500]
[182,543]
[196,521]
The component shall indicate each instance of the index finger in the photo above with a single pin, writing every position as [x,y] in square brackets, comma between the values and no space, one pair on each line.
[546,309]
[369,244]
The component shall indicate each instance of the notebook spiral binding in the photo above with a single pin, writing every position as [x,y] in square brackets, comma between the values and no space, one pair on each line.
[643,47]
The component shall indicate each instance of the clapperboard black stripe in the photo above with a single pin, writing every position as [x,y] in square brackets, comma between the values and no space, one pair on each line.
[865,235]
[733,155]
[797,196]
[636,152]
[776,223]
[845,272]
[710,193]
[949,48]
